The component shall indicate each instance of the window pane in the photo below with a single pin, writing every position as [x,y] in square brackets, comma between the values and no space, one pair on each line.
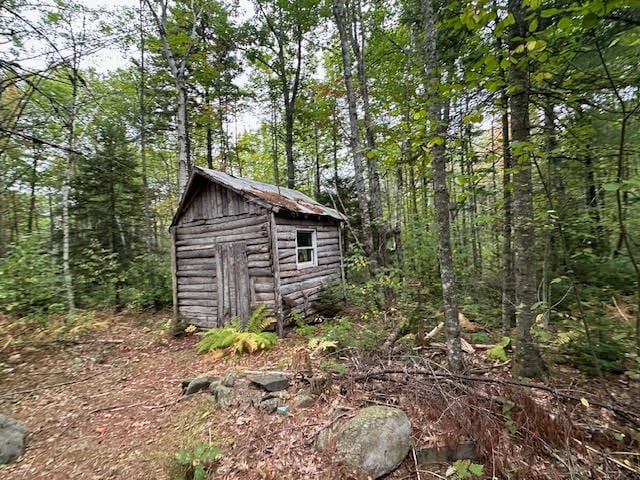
[305,239]
[305,255]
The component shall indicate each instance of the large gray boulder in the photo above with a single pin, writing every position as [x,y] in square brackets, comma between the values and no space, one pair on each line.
[376,440]
[12,439]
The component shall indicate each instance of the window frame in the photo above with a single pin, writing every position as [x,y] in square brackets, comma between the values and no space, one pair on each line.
[313,248]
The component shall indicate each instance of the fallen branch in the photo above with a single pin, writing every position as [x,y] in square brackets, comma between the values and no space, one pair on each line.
[608,457]
[43,387]
[9,340]
[623,412]
[392,338]
[115,408]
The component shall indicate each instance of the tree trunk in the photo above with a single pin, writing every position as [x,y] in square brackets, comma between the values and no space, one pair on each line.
[508,275]
[378,230]
[184,159]
[528,362]
[339,13]
[178,68]
[32,193]
[435,106]
[143,141]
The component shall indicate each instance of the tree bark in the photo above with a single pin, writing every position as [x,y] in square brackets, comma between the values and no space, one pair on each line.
[178,69]
[527,360]
[435,107]
[148,236]
[378,230]
[508,276]
[340,14]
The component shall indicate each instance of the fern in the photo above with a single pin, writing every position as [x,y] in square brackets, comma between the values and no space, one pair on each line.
[216,338]
[238,340]
[259,320]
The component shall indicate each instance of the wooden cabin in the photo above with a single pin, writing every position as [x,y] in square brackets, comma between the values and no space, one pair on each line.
[238,243]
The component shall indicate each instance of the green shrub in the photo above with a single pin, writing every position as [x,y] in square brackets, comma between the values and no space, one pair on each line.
[30,279]
[345,334]
[196,461]
[606,352]
[302,328]
[330,301]
[236,339]
[148,282]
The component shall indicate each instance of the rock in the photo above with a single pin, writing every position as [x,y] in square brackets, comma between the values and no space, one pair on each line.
[225,397]
[283,410]
[445,455]
[12,439]
[271,382]
[270,405]
[323,437]
[196,385]
[376,440]
[229,379]
[303,399]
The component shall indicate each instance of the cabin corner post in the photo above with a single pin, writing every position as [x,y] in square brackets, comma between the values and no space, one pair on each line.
[174,271]
[277,294]
[343,282]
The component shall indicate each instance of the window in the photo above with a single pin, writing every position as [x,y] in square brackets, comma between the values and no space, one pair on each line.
[306,248]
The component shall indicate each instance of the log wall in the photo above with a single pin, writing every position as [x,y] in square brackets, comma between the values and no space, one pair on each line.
[195,251]
[300,287]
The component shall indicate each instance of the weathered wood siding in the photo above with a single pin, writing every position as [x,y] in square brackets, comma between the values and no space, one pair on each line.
[211,200]
[218,216]
[300,287]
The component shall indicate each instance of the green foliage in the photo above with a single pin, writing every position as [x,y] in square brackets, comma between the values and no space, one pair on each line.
[480,337]
[605,352]
[196,461]
[238,340]
[463,469]
[147,282]
[302,328]
[498,352]
[345,334]
[330,300]
[332,366]
[30,279]
[259,320]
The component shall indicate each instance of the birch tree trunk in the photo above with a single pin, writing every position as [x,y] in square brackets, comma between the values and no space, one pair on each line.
[148,234]
[435,107]
[66,186]
[528,362]
[178,67]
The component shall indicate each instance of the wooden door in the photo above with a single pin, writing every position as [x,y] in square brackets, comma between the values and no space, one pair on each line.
[233,284]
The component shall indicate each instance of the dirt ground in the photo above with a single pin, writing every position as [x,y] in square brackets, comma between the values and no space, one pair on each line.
[108,405]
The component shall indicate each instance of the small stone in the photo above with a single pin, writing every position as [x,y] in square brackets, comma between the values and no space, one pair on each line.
[271,382]
[223,395]
[270,405]
[229,379]
[196,385]
[283,410]
[304,399]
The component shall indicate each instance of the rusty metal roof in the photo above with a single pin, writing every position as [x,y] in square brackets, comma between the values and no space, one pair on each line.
[278,197]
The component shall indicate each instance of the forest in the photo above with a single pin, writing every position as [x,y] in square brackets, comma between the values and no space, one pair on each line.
[486,154]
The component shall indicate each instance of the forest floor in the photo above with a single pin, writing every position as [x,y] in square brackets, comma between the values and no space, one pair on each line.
[107,404]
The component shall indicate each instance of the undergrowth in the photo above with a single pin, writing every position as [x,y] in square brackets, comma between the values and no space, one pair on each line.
[236,339]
